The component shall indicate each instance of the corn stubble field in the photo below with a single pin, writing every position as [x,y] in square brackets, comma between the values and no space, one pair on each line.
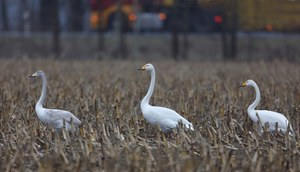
[114,136]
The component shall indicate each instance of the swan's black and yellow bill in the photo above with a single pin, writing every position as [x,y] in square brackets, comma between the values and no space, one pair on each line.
[33,75]
[142,68]
[244,84]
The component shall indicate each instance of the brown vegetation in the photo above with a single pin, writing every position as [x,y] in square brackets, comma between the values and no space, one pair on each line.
[105,95]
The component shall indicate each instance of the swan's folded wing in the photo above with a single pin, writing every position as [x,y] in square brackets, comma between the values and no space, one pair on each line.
[169,117]
[56,114]
[167,124]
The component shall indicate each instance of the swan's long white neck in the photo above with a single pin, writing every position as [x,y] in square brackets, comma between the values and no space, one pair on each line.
[257,98]
[146,99]
[44,91]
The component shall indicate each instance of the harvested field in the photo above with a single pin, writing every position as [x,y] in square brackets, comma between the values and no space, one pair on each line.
[114,136]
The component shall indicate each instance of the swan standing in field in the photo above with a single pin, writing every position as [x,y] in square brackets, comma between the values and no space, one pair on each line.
[53,117]
[266,116]
[165,118]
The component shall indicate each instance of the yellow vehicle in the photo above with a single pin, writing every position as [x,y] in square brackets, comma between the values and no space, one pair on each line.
[253,15]
[103,16]
[268,15]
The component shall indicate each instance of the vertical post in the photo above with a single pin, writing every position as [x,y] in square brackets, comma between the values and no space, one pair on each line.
[101,45]
[26,16]
[254,17]
[233,35]
[55,28]
[76,15]
[224,32]
[174,25]
[101,41]
[229,40]
[120,29]
[46,15]
[4,15]
[97,7]
[185,46]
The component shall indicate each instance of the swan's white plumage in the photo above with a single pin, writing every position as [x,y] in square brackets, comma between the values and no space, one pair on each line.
[271,117]
[165,118]
[53,117]
[56,118]
[266,116]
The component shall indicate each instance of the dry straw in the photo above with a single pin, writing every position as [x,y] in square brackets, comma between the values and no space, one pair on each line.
[105,96]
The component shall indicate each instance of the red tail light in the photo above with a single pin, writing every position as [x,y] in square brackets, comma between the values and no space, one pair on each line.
[162,16]
[132,17]
[218,19]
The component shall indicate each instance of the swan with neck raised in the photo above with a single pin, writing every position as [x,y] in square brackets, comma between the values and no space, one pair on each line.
[165,118]
[266,116]
[53,117]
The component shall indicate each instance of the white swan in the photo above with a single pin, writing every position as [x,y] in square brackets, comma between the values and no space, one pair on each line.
[53,117]
[266,116]
[165,118]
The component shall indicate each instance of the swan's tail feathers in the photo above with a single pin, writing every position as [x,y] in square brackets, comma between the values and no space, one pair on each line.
[76,121]
[190,126]
[73,124]
[186,124]
[290,129]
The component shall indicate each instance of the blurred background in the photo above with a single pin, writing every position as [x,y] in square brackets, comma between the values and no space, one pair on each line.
[155,29]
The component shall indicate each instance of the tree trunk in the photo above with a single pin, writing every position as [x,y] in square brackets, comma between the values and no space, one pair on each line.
[230,22]
[233,35]
[76,20]
[46,14]
[175,43]
[55,28]
[174,24]
[185,46]
[34,17]
[224,34]
[25,24]
[250,46]
[101,42]
[101,39]
[4,15]
[120,29]
[185,41]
